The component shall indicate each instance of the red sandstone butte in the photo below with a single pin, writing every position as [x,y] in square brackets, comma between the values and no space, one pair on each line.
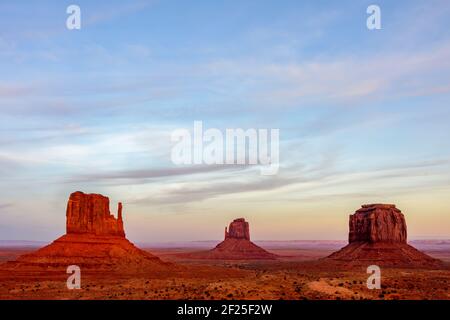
[89,214]
[94,241]
[378,235]
[239,229]
[235,246]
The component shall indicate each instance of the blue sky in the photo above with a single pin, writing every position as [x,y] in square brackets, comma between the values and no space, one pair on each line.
[363,115]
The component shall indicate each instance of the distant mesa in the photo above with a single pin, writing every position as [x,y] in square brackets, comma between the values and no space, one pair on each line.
[235,246]
[94,240]
[378,236]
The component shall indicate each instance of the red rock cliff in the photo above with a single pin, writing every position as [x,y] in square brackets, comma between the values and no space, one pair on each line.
[377,223]
[89,213]
[239,229]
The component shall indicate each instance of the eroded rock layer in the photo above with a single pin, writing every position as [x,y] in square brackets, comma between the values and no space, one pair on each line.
[239,229]
[377,223]
[89,213]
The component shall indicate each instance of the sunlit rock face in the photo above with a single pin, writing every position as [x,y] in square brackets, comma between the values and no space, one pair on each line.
[89,213]
[377,223]
[238,229]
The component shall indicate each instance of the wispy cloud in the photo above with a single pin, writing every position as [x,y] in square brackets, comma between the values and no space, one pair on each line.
[186,193]
[5,205]
[8,165]
[342,78]
[113,11]
[146,175]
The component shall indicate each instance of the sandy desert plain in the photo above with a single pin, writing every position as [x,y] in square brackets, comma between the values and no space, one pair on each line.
[111,267]
[298,273]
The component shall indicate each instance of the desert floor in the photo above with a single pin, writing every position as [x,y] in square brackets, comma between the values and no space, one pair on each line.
[298,274]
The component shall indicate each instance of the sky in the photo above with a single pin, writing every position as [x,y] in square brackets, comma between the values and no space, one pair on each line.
[363,114]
